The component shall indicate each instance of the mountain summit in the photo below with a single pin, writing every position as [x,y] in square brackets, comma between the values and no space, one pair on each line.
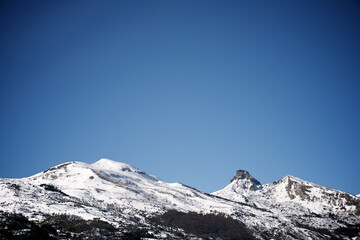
[124,196]
[243,174]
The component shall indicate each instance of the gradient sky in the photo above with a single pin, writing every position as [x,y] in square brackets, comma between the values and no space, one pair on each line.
[188,91]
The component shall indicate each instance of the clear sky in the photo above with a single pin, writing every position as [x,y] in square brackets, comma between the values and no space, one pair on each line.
[187,90]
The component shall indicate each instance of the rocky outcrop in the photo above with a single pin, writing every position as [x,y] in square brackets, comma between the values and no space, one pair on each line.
[243,174]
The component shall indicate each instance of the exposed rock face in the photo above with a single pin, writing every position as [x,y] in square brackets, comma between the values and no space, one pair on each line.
[243,174]
[294,188]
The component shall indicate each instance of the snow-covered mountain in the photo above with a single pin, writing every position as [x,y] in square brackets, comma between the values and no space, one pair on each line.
[300,202]
[120,194]
[302,197]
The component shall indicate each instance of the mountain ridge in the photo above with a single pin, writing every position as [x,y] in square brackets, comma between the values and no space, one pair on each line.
[121,194]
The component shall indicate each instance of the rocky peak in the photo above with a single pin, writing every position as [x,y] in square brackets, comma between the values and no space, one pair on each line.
[243,174]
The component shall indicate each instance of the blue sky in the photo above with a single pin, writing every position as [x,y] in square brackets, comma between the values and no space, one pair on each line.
[188,91]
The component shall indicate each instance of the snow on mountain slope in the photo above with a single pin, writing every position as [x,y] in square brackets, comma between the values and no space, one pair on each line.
[295,199]
[112,191]
[120,185]
[121,194]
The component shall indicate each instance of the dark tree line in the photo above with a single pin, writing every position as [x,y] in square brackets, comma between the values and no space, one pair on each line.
[204,225]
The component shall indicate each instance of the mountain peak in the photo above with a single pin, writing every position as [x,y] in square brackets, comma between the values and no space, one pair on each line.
[243,174]
[114,167]
[105,161]
[111,164]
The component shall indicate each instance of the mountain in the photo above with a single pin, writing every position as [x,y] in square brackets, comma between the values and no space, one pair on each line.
[300,202]
[118,200]
[290,192]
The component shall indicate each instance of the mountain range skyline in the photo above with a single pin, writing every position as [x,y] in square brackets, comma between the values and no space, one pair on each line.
[123,197]
[238,174]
